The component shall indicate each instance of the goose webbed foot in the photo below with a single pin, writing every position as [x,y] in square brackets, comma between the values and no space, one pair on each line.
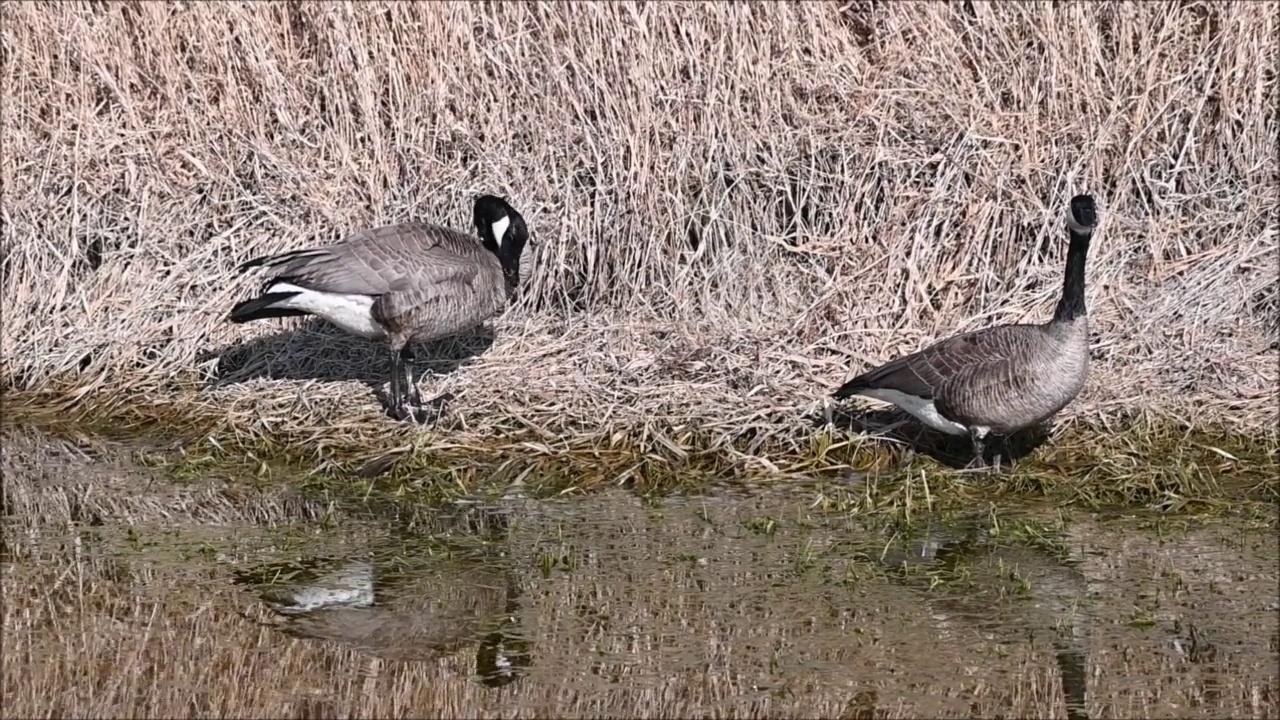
[421,413]
[907,458]
[979,464]
[982,467]
[408,412]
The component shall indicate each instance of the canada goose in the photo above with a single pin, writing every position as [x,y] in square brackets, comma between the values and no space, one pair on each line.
[405,283]
[1000,379]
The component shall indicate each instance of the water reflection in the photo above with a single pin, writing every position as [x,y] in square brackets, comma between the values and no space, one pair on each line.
[1029,590]
[740,603]
[410,595]
[761,598]
[620,570]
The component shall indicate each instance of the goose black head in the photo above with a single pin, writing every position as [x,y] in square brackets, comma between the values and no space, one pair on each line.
[1084,214]
[503,232]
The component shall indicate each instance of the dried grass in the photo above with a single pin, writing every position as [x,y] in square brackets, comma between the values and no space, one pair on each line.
[735,206]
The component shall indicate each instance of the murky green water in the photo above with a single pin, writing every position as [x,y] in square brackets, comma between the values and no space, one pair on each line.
[753,603]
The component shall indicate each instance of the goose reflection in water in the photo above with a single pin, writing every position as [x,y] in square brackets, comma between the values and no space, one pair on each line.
[405,606]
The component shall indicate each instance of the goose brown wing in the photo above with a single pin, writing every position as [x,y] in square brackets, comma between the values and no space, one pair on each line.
[957,359]
[443,301]
[392,258]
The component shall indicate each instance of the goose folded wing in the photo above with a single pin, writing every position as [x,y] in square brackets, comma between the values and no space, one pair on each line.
[431,289]
[334,270]
[377,261]
[927,372]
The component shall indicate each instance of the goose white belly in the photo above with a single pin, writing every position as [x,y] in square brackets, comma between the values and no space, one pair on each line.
[353,313]
[919,408]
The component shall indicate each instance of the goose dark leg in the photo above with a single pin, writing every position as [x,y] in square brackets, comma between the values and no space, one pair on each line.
[406,401]
[395,399]
[401,403]
[411,396]
[976,436]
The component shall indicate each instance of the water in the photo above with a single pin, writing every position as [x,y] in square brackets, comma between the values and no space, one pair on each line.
[126,594]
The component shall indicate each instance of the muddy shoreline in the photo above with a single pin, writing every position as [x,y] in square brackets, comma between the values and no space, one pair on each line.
[1165,467]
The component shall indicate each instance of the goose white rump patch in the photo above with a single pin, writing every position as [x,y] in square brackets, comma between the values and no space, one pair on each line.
[353,313]
[922,410]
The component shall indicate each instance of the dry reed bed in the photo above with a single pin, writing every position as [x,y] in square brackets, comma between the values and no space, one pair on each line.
[734,206]
[95,627]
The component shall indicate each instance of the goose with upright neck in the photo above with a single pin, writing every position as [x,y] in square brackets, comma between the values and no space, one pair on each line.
[1000,379]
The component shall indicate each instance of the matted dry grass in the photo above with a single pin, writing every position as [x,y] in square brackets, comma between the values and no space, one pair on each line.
[735,206]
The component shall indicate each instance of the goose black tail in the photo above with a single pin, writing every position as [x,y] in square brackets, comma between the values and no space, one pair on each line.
[260,308]
[850,388]
[255,262]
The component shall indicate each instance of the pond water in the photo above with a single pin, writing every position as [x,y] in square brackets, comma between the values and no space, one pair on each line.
[128,594]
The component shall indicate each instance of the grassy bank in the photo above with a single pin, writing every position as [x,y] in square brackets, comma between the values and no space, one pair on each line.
[735,207]
[1156,465]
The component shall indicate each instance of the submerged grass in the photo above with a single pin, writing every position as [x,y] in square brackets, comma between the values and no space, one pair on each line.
[753,606]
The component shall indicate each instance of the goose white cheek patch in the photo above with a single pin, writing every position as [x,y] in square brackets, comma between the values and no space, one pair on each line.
[500,229]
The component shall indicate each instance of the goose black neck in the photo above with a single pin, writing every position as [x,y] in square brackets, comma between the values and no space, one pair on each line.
[509,255]
[512,278]
[509,258]
[1071,306]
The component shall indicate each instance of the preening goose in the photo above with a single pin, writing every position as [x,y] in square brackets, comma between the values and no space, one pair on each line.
[1000,379]
[406,283]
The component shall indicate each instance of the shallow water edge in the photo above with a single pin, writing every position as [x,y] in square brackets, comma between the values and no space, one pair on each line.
[131,590]
[1154,465]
